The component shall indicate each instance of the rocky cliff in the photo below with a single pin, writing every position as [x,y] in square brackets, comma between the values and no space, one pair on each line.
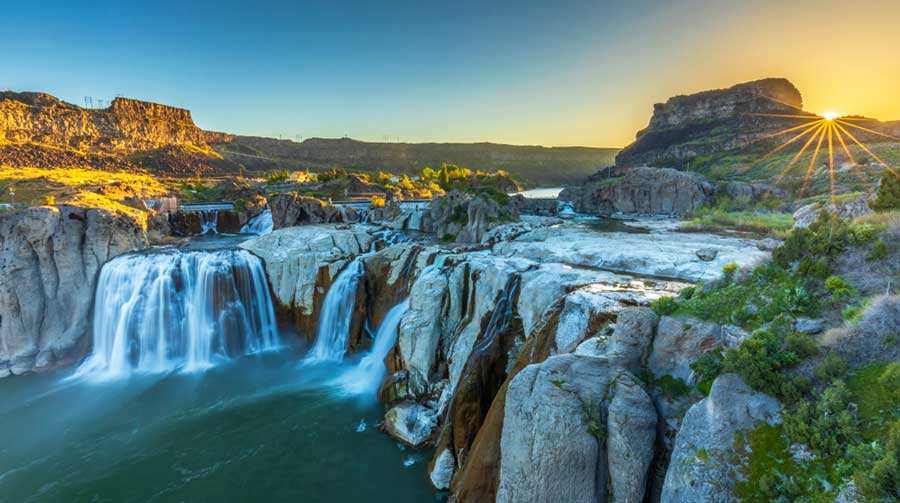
[50,257]
[124,127]
[686,127]
[640,190]
[39,130]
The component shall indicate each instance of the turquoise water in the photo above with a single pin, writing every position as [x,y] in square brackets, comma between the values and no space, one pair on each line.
[261,428]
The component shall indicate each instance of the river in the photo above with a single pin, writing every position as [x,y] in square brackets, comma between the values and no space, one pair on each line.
[260,428]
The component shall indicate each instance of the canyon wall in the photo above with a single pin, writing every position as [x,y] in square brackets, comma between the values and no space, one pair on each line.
[50,257]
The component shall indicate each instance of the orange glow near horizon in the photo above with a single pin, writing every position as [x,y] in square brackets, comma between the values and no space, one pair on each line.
[817,129]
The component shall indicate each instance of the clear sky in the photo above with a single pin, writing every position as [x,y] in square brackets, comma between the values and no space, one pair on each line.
[522,72]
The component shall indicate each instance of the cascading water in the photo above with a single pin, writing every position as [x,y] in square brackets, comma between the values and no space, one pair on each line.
[209,221]
[333,327]
[333,330]
[163,311]
[260,224]
[366,377]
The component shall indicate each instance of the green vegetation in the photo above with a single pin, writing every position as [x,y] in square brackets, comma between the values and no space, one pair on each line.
[758,223]
[878,251]
[888,196]
[852,428]
[848,419]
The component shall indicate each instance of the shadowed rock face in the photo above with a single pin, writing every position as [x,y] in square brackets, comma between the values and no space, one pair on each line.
[50,257]
[643,190]
[711,121]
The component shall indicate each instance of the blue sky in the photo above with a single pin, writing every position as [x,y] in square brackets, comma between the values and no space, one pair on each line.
[526,72]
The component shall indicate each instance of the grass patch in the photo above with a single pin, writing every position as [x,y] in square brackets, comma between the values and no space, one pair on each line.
[762,224]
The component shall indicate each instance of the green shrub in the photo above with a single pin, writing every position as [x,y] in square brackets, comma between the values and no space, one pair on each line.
[707,367]
[833,366]
[802,345]
[839,288]
[729,269]
[882,481]
[828,425]
[671,387]
[814,268]
[878,251]
[278,177]
[852,314]
[664,306]
[888,195]
[760,359]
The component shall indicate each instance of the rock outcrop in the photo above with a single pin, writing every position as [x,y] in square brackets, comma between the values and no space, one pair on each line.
[50,257]
[293,209]
[579,427]
[712,121]
[301,263]
[849,209]
[465,217]
[704,453]
[642,190]
[40,130]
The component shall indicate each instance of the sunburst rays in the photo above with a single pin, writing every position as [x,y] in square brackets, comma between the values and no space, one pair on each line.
[822,130]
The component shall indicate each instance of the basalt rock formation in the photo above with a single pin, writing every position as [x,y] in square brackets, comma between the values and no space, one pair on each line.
[685,127]
[641,190]
[50,257]
[295,209]
[39,130]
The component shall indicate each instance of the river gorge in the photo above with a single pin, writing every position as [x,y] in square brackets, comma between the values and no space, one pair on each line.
[351,361]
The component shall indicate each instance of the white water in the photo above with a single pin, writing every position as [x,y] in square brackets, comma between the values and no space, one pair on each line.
[333,328]
[260,224]
[179,310]
[209,221]
[366,377]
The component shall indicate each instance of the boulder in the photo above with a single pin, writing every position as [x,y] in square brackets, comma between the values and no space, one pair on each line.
[410,423]
[629,344]
[703,460]
[678,343]
[631,432]
[849,209]
[707,254]
[549,447]
[50,258]
[557,415]
[809,325]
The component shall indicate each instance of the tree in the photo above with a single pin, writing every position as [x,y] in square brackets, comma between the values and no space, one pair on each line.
[888,191]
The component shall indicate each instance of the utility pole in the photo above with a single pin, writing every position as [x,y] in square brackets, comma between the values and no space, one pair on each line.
[88,102]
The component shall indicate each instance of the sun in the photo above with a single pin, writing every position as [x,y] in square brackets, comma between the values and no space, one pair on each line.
[830,116]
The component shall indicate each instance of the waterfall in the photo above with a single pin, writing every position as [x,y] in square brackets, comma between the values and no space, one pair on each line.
[336,315]
[209,221]
[333,330]
[366,377]
[164,311]
[260,224]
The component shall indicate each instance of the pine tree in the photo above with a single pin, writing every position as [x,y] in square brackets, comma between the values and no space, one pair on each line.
[888,191]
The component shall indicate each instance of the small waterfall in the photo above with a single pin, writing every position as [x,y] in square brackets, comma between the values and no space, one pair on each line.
[163,311]
[564,209]
[366,377]
[336,315]
[333,330]
[260,224]
[209,221]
